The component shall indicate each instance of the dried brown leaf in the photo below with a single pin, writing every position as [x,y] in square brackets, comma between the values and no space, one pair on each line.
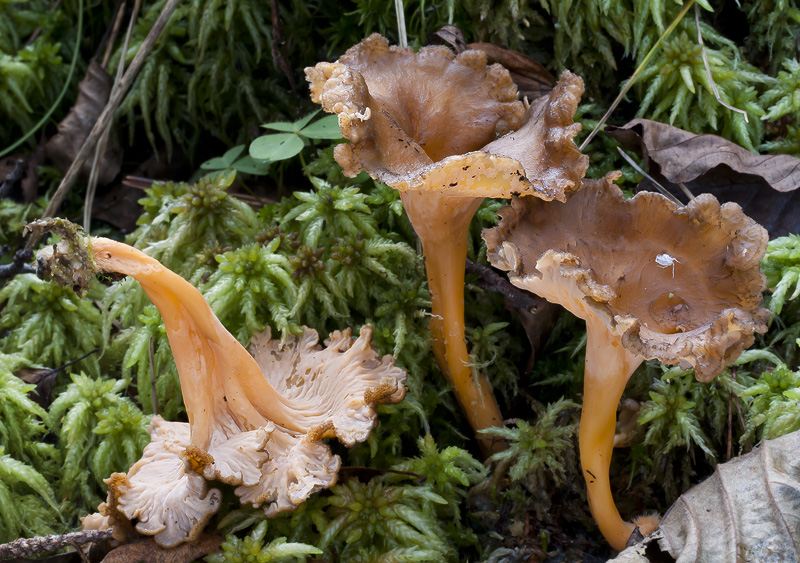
[764,185]
[532,79]
[749,510]
[530,76]
[149,551]
[43,379]
[93,93]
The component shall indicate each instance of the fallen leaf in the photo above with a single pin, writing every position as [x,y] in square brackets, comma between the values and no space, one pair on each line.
[93,93]
[531,77]
[765,186]
[149,551]
[748,510]
[43,379]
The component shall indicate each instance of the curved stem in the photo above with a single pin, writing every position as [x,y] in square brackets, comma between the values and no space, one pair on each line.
[218,376]
[608,367]
[442,224]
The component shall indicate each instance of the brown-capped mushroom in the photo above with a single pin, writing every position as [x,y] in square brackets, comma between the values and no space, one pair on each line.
[651,280]
[427,124]
[253,423]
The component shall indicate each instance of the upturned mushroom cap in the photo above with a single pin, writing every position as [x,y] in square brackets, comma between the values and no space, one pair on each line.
[340,384]
[681,285]
[170,500]
[258,427]
[430,120]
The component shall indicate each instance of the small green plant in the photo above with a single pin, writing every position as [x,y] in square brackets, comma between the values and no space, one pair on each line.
[181,221]
[25,514]
[294,137]
[251,288]
[676,85]
[540,452]
[231,160]
[781,265]
[252,548]
[775,407]
[95,424]
[49,324]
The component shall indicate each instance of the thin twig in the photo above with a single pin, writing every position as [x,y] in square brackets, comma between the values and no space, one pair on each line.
[256,202]
[91,188]
[636,73]
[27,547]
[150,358]
[19,264]
[660,188]
[399,13]
[112,38]
[708,67]
[108,113]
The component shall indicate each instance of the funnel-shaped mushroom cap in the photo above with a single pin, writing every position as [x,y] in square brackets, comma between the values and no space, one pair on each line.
[168,498]
[681,285]
[415,120]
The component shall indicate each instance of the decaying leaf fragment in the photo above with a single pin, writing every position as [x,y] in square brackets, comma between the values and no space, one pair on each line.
[749,510]
[765,186]
[93,93]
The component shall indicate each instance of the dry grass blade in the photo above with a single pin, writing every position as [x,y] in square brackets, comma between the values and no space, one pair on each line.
[632,80]
[108,112]
[101,145]
[708,67]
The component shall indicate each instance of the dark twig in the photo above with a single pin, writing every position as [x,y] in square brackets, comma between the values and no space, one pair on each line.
[27,547]
[12,178]
[277,43]
[536,314]
[108,113]
[19,265]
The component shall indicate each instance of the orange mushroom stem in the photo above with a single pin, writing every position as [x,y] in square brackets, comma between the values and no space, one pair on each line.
[609,366]
[448,131]
[602,257]
[445,251]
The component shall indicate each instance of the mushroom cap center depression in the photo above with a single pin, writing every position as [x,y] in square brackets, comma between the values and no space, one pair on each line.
[448,107]
[667,270]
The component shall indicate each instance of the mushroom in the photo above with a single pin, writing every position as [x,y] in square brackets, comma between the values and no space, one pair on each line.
[171,501]
[259,430]
[427,124]
[598,256]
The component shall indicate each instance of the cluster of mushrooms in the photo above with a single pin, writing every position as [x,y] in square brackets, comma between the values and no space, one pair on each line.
[652,280]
